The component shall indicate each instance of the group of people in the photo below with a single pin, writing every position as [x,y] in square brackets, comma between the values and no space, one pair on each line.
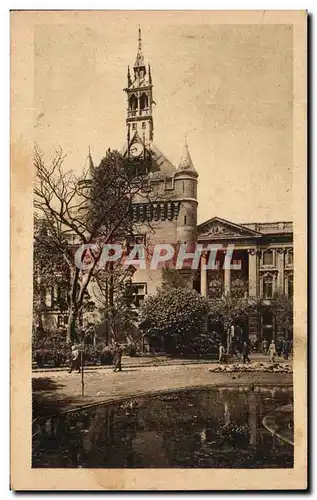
[267,349]
[281,348]
[75,361]
[245,353]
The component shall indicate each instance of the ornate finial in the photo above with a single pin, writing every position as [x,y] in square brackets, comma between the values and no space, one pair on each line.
[140,40]
[129,76]
[186,141]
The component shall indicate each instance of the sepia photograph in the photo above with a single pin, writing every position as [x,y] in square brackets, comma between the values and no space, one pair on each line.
[158,162]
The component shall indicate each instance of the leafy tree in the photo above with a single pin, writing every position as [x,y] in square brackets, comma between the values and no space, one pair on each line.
[115,301]
[174,314]
[82,210]
[227,309]
[173,278]
[282,308]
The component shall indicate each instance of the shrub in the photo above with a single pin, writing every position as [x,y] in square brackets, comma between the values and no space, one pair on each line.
[176,315]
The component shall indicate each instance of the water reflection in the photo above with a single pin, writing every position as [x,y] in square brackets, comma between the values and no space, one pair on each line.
[201,428]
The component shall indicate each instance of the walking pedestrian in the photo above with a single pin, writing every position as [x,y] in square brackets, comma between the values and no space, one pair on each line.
[286,348]
[265,346]
[245,353]
[74,359]
[221,353]
[117,358]
[272,351]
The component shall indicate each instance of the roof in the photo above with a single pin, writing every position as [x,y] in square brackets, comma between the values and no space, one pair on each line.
[160,163]
[186,165]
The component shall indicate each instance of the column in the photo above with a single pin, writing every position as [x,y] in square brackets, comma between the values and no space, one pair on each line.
[252,272]
[203,274]
[280,268]
[227,280]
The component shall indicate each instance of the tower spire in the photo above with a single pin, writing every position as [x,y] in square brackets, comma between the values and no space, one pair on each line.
[91,165]
[139,62]
[140,98]
[140,40]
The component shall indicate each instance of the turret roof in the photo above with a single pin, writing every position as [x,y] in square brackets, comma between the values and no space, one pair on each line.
[186,165]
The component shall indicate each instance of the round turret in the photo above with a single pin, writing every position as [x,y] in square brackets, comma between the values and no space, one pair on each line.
[185,182]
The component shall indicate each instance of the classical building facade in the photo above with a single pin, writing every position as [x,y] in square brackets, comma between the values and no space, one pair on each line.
[262,254]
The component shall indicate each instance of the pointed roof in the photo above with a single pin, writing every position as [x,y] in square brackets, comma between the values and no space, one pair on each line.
[139,62]
[90,162]
[186,165]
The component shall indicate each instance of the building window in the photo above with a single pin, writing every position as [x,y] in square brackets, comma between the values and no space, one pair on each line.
[268,258]
[137,292]
[143,101]
[133,102]
[185,220]
[133,126]
[268,287]
[143,125]
[290,257]
[268,326]
[183,187]
[61,321]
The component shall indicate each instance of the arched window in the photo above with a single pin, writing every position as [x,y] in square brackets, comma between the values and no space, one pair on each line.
[143,101]
[133,103]
[268,258]
[185,220]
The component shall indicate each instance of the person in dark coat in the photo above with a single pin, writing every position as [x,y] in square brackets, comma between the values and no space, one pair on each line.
[286,348]
[245,353]
[265,346]
[117,358]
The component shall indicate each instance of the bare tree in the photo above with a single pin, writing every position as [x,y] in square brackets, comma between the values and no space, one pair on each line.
[92,209]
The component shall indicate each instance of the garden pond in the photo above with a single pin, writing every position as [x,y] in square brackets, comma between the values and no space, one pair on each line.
[205,428]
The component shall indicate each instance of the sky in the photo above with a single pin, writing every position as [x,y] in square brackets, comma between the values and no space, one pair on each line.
[229,88]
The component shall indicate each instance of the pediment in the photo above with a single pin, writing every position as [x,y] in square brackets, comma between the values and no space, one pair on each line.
[217,228]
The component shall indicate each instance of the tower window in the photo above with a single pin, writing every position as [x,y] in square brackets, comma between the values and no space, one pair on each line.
[133,126]
[143,125]
[183,187]
[143,101]
[185,220]
[133,102]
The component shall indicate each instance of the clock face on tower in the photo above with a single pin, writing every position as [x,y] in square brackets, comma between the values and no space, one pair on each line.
[136,149]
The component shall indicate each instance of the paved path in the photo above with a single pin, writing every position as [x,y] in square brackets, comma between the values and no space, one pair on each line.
[156,361]
[58,391]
